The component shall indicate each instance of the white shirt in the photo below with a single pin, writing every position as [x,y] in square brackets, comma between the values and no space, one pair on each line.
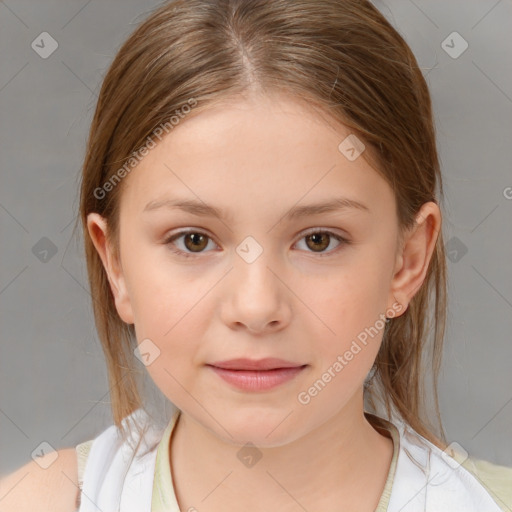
[120,476]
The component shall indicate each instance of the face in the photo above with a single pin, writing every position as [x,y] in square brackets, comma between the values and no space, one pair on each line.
[262,280]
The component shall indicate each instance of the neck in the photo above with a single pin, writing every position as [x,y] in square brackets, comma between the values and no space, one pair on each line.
[341,464]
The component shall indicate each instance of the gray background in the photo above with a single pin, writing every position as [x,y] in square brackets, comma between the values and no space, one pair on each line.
[53,382]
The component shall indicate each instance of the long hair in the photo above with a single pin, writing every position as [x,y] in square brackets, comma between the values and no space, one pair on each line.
[347,62]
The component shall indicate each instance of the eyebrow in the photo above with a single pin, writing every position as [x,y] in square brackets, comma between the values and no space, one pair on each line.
[205,210]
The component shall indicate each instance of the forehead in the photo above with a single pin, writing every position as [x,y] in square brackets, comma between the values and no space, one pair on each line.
[253,153]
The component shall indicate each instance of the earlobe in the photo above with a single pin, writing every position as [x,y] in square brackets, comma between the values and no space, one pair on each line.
[415,255]
[97,228]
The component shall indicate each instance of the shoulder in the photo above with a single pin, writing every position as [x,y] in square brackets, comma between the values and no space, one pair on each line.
[479,484]
[446,479]
[120,466]
[50,484]
[496,479]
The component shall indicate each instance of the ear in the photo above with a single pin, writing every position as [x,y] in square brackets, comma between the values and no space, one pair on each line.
[414,255]
[97,227]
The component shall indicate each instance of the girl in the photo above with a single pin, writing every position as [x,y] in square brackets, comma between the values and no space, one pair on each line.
[260,204]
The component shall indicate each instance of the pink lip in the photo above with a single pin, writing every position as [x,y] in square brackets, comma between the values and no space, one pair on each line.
[274,373]
[269,363]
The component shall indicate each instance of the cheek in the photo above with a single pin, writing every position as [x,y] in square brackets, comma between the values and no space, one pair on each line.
[159,293]
[350,299]
[346,342]
[347,317]
[170,309]
[172,315]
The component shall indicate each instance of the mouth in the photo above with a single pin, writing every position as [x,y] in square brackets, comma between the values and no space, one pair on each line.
[262,375]
[269,363]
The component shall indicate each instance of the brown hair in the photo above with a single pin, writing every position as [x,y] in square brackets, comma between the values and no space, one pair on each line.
[344,59]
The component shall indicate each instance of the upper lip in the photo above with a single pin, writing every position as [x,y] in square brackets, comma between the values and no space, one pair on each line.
[269,363]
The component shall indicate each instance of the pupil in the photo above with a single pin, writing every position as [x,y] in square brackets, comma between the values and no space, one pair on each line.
[196,239]
[317,238]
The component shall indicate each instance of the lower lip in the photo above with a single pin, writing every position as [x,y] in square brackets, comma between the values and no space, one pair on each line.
[257,380]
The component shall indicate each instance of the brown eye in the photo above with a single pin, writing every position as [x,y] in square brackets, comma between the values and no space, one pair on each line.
[319,241]
[195,242]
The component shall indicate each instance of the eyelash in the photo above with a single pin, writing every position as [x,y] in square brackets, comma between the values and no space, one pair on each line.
[175,236]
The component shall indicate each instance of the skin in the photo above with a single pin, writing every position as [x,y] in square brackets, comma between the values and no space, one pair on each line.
[257,158]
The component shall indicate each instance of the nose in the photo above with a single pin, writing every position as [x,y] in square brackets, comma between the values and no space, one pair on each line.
[256,297]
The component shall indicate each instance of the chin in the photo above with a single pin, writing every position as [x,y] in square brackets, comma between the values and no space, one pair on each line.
[265,431]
